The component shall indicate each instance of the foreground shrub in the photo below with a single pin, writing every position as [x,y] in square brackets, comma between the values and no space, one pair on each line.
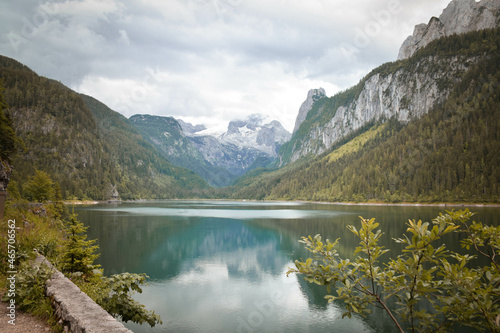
[426,288]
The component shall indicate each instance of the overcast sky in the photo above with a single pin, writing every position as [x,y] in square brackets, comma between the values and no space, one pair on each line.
[208,61]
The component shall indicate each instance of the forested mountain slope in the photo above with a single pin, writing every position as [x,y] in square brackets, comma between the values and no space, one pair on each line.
[80,149]
[147,167]
[448,154]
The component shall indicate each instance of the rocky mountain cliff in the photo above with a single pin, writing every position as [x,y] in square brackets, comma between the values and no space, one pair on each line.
[312,96]
[405,89]
[190,129]
[405,94]
[459,17]
[217,157]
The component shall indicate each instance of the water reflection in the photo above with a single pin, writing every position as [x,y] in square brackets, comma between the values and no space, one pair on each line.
[241,214]
[246,251]
[220,266]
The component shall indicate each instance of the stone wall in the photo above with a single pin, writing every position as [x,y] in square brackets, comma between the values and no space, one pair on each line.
[77,312]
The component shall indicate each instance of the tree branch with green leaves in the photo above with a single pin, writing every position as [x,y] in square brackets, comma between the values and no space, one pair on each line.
[422,289]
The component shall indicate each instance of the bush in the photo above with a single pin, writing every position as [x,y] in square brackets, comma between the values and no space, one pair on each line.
[30,296]
[40,187]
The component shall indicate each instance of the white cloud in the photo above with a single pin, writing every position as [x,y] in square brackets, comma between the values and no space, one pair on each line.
[208,60]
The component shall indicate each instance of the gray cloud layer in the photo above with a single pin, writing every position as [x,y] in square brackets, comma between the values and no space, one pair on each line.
[208,60]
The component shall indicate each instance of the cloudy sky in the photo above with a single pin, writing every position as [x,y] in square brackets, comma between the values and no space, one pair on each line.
[208,61]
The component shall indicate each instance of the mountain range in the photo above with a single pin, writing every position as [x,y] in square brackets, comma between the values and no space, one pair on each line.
[218,158]
[422,128]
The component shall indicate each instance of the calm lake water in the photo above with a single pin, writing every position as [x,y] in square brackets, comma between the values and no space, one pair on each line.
[219,266]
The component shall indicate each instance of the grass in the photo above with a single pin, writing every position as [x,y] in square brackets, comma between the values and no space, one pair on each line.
[355,144]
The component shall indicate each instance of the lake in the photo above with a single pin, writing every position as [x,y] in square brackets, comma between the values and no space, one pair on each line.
[219,266]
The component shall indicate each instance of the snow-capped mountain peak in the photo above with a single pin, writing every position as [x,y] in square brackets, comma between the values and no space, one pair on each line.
[256,131]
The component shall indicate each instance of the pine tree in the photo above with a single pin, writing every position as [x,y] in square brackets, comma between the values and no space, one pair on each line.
[79,253]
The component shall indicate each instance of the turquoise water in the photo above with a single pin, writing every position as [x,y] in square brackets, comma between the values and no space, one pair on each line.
[219,266]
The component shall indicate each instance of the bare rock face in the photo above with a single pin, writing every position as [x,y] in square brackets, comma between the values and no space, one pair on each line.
[312,96]
[461,16]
